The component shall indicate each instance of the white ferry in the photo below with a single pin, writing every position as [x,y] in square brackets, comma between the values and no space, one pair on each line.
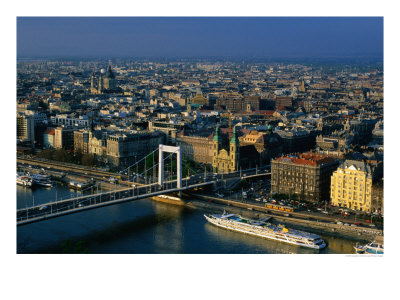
[267,230]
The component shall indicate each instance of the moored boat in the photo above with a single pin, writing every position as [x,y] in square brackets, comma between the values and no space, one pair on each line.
[80,185]
[24,180]
[375,247]
[42,180]
[267,230]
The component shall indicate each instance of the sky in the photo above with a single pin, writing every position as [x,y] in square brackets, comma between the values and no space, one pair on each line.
[200,36]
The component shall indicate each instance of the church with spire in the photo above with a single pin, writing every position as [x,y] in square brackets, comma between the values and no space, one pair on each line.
[225,157]
[104,83]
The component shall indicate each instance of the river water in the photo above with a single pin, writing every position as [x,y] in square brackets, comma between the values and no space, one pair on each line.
[143,226]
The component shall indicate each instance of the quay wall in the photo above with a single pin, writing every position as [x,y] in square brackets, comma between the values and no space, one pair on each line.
[355,233]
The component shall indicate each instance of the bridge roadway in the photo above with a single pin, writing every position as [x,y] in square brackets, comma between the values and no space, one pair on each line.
[73,205]
[65,167]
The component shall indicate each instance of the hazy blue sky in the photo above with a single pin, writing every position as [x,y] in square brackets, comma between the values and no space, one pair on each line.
[225,36]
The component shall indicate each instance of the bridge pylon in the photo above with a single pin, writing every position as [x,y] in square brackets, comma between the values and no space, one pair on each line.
[170,149]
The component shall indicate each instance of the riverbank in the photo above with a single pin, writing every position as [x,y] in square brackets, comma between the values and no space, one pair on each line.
[213,204]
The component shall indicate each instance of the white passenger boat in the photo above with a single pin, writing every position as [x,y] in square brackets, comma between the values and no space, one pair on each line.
[267,230]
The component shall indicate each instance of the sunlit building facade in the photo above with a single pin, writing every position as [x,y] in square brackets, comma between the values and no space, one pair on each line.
[351,186]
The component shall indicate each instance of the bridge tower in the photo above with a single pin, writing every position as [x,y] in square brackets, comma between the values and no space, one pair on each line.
[170,149]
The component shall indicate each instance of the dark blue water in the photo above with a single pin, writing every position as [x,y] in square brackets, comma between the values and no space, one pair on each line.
[143,226]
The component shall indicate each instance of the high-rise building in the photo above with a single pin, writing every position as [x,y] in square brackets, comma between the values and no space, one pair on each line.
[63,138]
[25,128]
[81,141]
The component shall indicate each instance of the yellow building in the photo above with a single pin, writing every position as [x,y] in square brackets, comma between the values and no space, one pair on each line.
[225,160]
[351,186]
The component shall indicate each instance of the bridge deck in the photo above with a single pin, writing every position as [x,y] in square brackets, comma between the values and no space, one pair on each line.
[73,205]
[82,203]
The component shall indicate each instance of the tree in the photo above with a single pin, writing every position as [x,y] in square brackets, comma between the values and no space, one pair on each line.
[78,157]
[46,153]
[62,155]
[88,160]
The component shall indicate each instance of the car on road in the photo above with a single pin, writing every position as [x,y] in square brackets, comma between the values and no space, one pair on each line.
[43,207]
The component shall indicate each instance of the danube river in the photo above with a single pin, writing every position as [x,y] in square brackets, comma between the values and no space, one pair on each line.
[143,226]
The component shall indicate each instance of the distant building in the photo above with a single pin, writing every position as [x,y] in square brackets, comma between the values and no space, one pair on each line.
[267,144]
[282,103]
[69,121]
[199,99]
[169,128]
[307,175]
[336,144]
[297,140]
[377,133]
[351,186]
[105,83]
[236,103]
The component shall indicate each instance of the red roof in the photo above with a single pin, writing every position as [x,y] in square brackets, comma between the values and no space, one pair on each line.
[50,131]
[265,112]
[311,159]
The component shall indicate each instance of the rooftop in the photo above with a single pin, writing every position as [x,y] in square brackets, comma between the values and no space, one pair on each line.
[311,159]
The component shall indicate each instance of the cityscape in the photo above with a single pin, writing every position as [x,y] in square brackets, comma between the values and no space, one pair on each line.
[218,154]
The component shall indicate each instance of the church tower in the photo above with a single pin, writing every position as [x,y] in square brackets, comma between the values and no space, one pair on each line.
[109,80]
[234,152]
[216,146]
[92,83]
[100,86]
